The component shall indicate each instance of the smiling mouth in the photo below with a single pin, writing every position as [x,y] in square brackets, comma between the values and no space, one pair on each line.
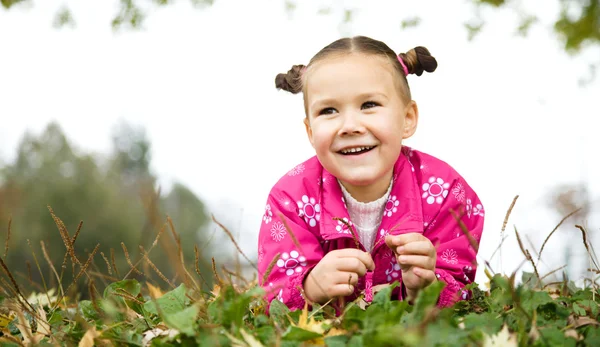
[356,150]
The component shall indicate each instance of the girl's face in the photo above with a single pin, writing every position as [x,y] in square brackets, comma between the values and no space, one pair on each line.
[356,121]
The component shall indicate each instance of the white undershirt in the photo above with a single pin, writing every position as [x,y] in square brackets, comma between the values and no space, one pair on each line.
[366,217]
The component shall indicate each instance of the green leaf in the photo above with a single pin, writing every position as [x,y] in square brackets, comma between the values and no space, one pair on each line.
[337,341]
[489,323]
[279,312]
[87,310]
[171,302]
[579,310]
[532,299]
[132,287]
[427,298]
[293,333]
[384,296]
[183,321]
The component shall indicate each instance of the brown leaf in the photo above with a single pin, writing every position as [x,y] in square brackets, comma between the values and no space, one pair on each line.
[573,333]
[581,321]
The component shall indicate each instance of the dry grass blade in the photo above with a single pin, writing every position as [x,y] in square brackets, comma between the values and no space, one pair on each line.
[554,230]
[28,264]
[114,264]
[133,268]
[499,247]
[37,263]
[196,266]
[290,232]
[352,230]
[64,234]
[77,232]
[585,243]
[182,270]
[527,255]
[508,213]
[124,294]
[14,283]
[151,264]
[504,223]
[107,263]
[86,265]
[214,268]
[465,231]
[552,272]
[234,242]
[51,265]
[7,237]
[270,268]
[93,297]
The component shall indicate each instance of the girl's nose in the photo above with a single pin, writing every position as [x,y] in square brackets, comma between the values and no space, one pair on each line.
[351,124]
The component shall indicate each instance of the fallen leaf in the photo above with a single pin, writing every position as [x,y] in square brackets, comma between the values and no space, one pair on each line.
[88,338]
[149,335]
[581,321]
[573,333]
[503,339]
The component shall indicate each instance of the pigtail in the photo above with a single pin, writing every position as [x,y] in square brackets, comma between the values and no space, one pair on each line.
[292,80]
[418,60]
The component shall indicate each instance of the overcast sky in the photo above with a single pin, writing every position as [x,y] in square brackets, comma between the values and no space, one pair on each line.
[506,112]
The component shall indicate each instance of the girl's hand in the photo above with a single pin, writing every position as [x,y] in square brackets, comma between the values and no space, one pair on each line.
[337,274]
[416,256]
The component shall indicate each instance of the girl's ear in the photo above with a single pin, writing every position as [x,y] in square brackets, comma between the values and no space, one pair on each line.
[411,119]
[309,131]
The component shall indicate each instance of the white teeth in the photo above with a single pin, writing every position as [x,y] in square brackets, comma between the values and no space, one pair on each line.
[355,149]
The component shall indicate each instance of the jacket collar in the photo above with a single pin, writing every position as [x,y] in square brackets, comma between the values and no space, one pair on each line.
[403,210]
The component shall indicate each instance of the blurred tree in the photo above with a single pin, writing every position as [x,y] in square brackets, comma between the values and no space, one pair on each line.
[577,25]
[115,197]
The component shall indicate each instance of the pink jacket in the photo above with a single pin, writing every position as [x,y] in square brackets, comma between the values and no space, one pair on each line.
[424,191]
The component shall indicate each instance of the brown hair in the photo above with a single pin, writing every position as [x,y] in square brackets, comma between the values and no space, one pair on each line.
[417,60]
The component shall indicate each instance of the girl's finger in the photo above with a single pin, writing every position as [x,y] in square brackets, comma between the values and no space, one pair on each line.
[421,261]
[344,277]
[341,290]
[351,264]
[418,247]
[427,275]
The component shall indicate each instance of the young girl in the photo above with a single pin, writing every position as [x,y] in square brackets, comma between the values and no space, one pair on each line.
[365,210]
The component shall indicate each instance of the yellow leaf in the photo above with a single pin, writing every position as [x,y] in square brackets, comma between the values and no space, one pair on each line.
[6,319]
[250,339]
[155,292]
[88,338]
[336,332]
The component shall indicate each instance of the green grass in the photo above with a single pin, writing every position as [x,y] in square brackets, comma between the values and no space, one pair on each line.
[136,312]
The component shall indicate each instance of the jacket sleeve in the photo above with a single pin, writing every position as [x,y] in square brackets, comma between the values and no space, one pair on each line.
[456,242]
[283,263]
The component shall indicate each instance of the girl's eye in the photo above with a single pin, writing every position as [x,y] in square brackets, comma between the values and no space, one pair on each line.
[329,110]
[369,104]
